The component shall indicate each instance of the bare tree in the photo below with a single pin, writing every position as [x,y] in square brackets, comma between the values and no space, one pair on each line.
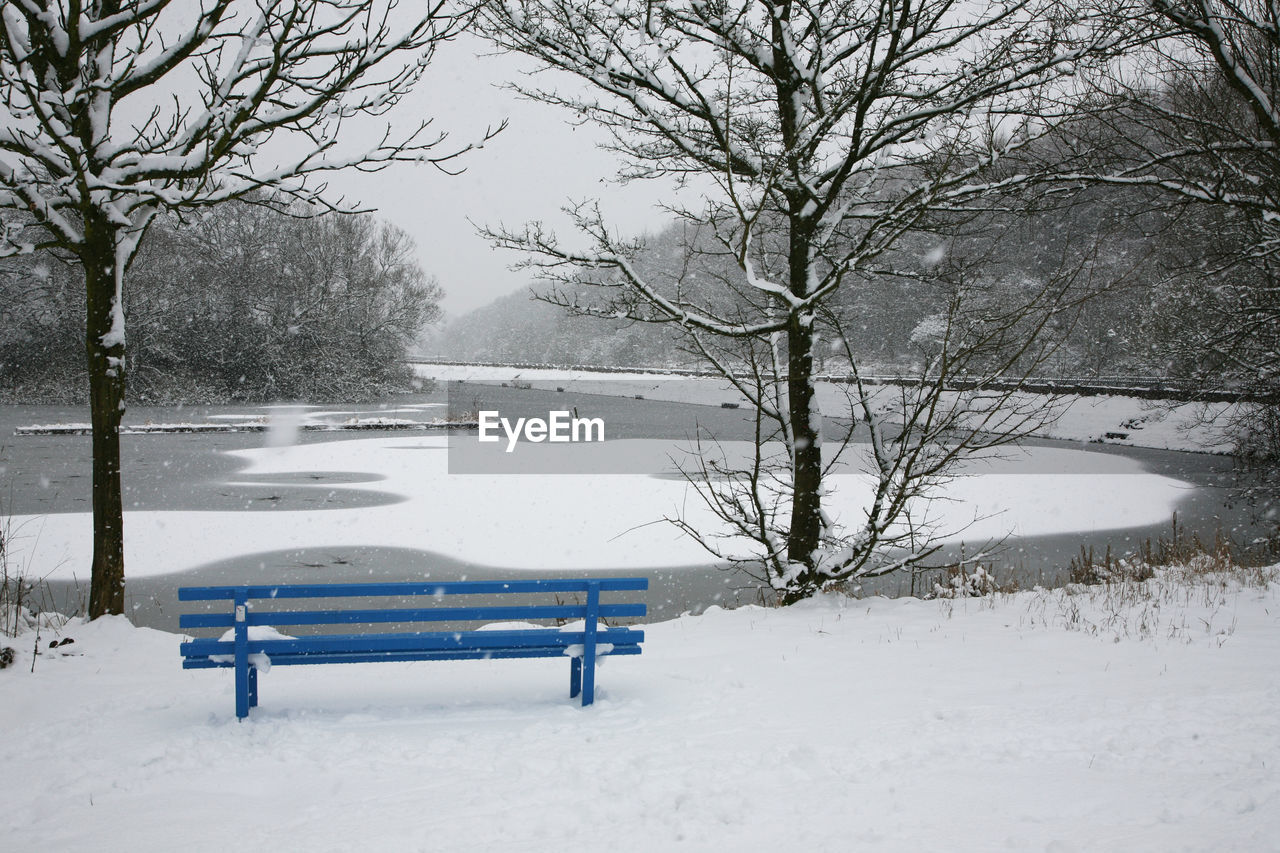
[116,110]
[1191,124]
[822,131]
[1193,121]
[902,438]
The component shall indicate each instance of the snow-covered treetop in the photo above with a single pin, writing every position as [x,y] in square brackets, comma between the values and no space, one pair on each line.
[808,89]
[849,118]
[127,107]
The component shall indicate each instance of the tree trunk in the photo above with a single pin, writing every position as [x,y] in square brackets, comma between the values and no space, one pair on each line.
[806,501]
[806,497]
[806,504]
[104,345]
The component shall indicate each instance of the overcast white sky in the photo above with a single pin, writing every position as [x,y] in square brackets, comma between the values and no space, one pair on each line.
[528,172]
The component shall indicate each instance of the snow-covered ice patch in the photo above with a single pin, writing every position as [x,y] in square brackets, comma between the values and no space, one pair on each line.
[550,521]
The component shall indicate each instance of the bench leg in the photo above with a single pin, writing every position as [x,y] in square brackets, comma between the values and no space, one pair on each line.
[253,686]
[588,681]
[242,666]
[575,677]
[589,645]
[242,691]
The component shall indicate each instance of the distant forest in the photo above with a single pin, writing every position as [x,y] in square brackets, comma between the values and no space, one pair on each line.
[1138,270]
[238,303]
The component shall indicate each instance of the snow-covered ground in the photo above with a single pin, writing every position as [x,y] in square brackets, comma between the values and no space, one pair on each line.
[1142,423]
[1043,721]
[1037,722]
[566,521]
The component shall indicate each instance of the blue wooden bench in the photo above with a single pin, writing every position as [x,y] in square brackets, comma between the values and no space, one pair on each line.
[261,605]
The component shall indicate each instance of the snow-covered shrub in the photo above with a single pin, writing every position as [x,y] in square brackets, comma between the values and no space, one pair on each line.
[12,590]
[19,619]
[959,584]
[20,596]
[1087,570]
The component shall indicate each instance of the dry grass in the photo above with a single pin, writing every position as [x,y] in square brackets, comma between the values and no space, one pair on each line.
[25,603]
[1178,588]
[1174,588]
[1178,602]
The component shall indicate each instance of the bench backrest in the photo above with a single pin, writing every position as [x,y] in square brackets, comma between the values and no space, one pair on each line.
[244,597]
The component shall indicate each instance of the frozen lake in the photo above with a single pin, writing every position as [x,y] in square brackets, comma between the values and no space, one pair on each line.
[343,506]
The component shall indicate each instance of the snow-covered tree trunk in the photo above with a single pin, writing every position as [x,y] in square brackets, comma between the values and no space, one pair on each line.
[806,506]
[805,532]
[105,350]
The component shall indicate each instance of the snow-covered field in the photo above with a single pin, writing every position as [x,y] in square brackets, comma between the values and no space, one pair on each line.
[1036,722]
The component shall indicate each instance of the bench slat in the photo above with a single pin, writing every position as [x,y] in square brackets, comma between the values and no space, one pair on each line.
[362,590]
[549,638]
[388,657]
[429,614]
